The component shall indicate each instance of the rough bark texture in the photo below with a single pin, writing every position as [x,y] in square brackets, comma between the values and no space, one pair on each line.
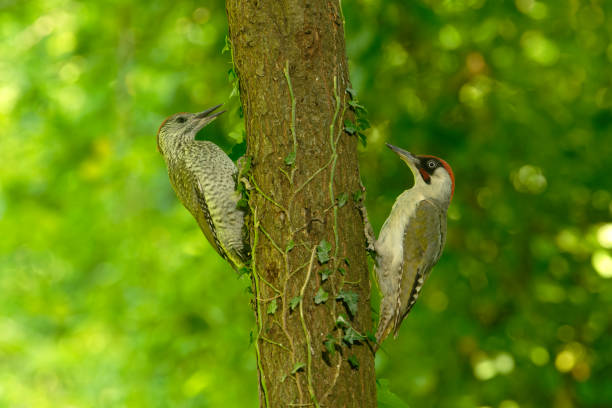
[290,59]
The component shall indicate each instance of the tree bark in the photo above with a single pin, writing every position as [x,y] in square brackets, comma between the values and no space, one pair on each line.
[290,59]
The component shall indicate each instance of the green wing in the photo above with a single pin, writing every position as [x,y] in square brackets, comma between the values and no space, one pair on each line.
[423,243]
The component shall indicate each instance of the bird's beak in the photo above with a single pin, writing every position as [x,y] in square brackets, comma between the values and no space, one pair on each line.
[407,157]
[207,116]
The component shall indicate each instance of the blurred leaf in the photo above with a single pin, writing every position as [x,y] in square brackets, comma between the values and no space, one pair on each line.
[294,302]
[351,336]
[325,273]
[342,199]
[350,127]
[352,360]
[323,251]
[330,344]
[297,367]
[321,296]
[290,159]
[350,299]
[272,307]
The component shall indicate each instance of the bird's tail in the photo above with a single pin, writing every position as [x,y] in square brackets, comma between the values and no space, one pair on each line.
[386,321]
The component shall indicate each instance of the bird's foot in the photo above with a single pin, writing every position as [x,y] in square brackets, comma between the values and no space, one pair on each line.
[367,227]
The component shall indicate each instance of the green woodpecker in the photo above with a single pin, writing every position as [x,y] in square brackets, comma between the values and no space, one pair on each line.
[204,179]
[412,238]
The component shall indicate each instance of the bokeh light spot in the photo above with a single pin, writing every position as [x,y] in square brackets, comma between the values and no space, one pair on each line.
[581,371]
[485,369]
[70,72]
[565,361]
[450,37]
[61,43]
[539,48]
[201,15]
[504,363]
[413,104]
[44,25]
[509,404]
[9,93]
[529,179]
[602,263]
[437,301]
[604,235]
[539,11]
[539,356]
[395,54]
[196,383]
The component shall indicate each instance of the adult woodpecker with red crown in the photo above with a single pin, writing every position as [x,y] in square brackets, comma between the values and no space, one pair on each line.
[204,179]
[412,238]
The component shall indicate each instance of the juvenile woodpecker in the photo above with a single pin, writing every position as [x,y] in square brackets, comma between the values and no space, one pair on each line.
[412,238]
[204,179]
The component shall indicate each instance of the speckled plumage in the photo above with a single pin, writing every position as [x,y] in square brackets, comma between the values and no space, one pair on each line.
[411,240]
[204,179]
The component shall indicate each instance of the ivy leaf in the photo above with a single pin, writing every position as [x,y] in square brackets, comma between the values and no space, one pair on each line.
[231,75]
[350,299]
[357,108]
[235,90]
[363,124]
[325,274]
[351,92]
[347,262]
[238,150]
[357,196]
[330,344]
[323,251]
[352,360]
[342,321]
[290,246]
[351,336]
[321,296]
[294,302]
[349,127]
[363,139]
[243,271]
[227,47]
[290,159]
[297,367]
[342,198]
[341,270]
[272,307]
[242,203]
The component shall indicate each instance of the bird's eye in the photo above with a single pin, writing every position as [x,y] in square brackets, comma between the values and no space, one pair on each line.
[181,119]
[431,164]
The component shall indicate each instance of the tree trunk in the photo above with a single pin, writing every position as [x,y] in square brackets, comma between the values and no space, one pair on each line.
[290,59]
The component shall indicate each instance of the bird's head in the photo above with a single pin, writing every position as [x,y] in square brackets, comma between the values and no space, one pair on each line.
[183,126]
[430,173]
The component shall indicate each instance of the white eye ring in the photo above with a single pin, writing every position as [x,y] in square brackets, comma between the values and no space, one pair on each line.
[431,164]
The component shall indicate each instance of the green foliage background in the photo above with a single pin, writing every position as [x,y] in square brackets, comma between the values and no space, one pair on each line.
[110,296]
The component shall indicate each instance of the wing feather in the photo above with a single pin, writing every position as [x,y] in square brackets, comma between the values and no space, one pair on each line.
[424,238]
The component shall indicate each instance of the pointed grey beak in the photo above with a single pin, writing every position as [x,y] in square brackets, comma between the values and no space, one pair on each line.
[208,116]
[406,156]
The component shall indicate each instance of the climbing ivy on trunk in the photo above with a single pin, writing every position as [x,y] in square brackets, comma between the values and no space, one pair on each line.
[309,266]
